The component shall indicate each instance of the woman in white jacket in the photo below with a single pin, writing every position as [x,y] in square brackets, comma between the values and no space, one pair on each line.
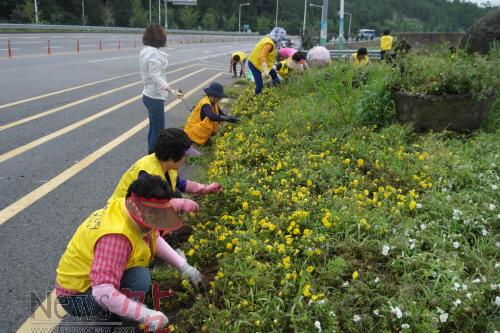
[153,65]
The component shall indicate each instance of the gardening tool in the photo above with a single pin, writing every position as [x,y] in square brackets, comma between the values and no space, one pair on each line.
[183,101]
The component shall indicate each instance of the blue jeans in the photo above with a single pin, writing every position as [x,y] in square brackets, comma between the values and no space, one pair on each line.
[257,75]
[156,114]
[83,306]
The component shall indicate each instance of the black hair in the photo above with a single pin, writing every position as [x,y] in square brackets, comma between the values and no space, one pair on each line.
[387,32]
[154,36]
[150,186]
[171,144]
[298,56]
[362,51]
[236,57]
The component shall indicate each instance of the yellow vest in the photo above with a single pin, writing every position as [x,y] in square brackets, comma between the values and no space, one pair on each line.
[241,54]
[148,163]
[386,43]
[198,130]
[73,272]
[356,61]
[257,50]
[284,70]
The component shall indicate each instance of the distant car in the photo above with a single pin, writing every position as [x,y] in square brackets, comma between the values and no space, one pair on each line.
[287,43]
[365,34]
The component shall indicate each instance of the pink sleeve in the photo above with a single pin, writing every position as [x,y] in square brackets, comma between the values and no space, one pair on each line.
[111,299]
[167,254]
[111,253]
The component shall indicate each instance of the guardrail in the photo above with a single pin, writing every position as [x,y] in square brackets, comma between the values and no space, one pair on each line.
[346,54]
[87,28]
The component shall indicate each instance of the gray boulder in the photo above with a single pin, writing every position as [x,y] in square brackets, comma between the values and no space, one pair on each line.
[481,34]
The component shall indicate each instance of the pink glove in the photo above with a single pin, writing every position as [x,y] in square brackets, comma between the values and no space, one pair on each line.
[184,204]
[197,188]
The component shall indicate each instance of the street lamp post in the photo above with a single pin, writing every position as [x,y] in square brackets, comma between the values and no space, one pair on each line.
[149,11]
[341,25]
[36,13]
[322,12]
[166,24]
[83,13]
[159,12]
[324,23]
[305,13]
[239,14]
[350,19]
[277,1]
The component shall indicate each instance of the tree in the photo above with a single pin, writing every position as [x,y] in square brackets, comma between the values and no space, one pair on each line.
[139,16]
[230,22]
[264,24]
[107,14]
[209,21]
[189,17]
[24,12]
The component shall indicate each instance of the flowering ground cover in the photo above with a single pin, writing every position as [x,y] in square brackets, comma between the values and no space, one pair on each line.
[335,219]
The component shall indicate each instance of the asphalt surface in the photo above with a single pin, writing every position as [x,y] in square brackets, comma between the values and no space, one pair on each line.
[33,239]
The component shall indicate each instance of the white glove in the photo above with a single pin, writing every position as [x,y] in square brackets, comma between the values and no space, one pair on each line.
[193,274]
[154,320]
[265,70]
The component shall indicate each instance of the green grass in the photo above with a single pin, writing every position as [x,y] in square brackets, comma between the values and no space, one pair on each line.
[318,181]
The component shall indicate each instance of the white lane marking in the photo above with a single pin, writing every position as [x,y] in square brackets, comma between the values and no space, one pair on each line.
[37,42]
[115,58]
[12,48]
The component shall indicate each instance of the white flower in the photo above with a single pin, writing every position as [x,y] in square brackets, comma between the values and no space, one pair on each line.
[468,295]
[403,326]
[376,312]
[443,317]
[464,287]
[497,244]
[356,318]
[497,301]
[317,324]
[457,302]
[491,207]
[321,301]
[456,286]
[484,232]
[494,187]
[376,280]
[397,312]
[411,242]
[456,213]
[497,264]
[423,226]
[456,245]
[331,313]
[494,286]
[419,206]
[385,250]
[345,284]
[476,280]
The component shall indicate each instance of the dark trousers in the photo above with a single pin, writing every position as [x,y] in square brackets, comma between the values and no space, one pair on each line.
[83,306]
[257,75]
[241,69]
[156,112]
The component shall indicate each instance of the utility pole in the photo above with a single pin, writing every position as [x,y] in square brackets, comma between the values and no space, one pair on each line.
[239,14]
[149,11]
[341,25]
[277,2]
[36,13]
[166,24]
[83,12]
[305,13]
[159,12]
[324,22]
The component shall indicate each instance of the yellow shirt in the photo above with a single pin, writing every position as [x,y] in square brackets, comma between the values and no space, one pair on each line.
[241,54]
[148,163]
[355,60]
[264,51]
[386,43]
[73,272]
[198,130]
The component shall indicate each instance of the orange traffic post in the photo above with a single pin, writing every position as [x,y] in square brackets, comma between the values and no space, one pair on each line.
[77,46]
[9,48]
[48,47]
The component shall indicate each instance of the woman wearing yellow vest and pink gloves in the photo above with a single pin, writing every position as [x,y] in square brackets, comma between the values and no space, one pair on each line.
[106,262]
[263,57]
[203,122]
[170,153]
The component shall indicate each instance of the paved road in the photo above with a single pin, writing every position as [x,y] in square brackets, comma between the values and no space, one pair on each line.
[62,154]
[60,43]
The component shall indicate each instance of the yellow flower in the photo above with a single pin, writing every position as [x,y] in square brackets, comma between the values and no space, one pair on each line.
[229,246]
[219,275]
[412,205]
[305,290]
[355,275]
[244,205]
[361,162]
[269,248]
[286,262]
[185,283]
[190,252]
[222,237]
[309,269]
[191,239]
[251,282]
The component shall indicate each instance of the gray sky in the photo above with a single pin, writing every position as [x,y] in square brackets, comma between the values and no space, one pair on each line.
[494,2]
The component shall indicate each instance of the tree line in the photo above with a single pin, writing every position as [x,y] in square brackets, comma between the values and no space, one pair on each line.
[397,15]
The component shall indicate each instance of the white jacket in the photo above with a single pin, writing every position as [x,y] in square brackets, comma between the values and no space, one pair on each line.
[153,65]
